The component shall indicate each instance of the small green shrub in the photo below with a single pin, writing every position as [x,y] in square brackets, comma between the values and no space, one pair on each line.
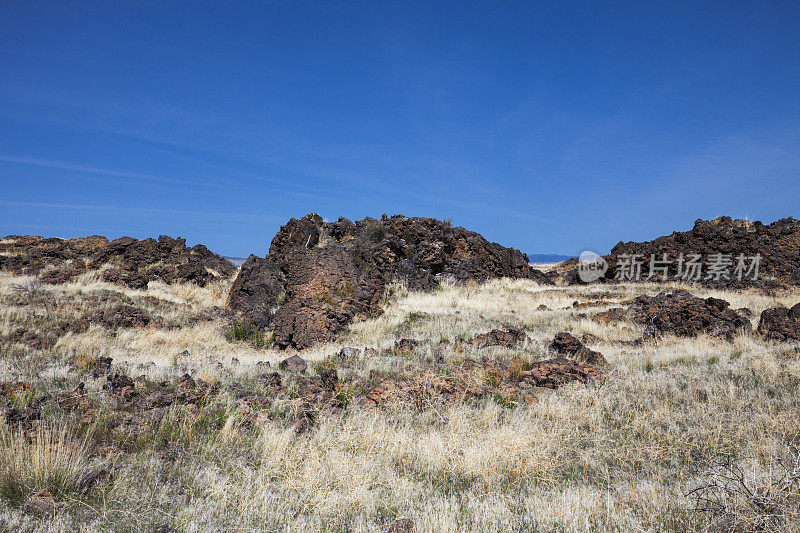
[246,331]
[376,231]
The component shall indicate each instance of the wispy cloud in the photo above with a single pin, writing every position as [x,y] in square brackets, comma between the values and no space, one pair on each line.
[140,210]
[90,170]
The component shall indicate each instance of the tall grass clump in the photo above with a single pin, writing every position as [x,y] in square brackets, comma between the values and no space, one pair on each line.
[52,461]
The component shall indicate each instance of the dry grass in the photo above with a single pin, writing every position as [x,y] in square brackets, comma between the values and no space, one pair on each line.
[53,461]
[621,455]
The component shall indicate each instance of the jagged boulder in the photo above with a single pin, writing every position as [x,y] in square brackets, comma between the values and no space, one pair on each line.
[680,313]
[777,244]
[780,324]
[497,337]
[566,344]
[319,275]
[126,260]
[294,363]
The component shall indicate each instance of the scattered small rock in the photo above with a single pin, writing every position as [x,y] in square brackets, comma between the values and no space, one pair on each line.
[349,353]
[294,363]
[329,377]
[405,346]
[303,425]
[506,338]
[90,478]
[102,366]
[401,525]
[42,502]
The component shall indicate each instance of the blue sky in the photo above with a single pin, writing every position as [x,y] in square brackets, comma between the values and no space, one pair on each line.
[547,126]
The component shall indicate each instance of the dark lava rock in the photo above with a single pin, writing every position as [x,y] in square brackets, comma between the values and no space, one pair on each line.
[682,314]
[122,316]
[294,363]
[102,366]
[348,352]
[133,262]
[778,244]
[498,337]
[319,275]
[401,525]
[91,477]
[405,346]
[329,377]
[120,384]
[780,324]
[565,344]
[303,425]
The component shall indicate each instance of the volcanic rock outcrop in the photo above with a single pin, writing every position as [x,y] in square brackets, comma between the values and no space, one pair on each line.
[319,275]
[128,261]
[682,314]
[780,324]
[778,245]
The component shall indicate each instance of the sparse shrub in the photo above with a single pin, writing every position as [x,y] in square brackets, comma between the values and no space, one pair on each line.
[394,291]
[505,401]
[246,331]
[410,320]
[345,392]
[376,231]
[736,498]
[516,368]
[345,289]
[323,364]
[492,378]
[21,395]
[85,360]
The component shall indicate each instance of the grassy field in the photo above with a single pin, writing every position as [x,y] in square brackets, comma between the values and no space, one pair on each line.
[682,434]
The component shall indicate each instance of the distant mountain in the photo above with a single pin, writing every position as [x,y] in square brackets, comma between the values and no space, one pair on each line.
[533,258]
[236,261]
[548,258]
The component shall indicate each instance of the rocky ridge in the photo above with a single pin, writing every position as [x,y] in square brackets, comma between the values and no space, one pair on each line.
[777,244]
[125,261]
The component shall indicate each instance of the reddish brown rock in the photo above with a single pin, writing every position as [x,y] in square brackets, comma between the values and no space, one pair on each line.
[497,337]
[294,363]
[612,316]
[780,324]
[405,346]
[680,313]
[777,243]
[319,275]
[134,262]
[401,525]
[42,502]
[559,371]
[122,316]
[565,344]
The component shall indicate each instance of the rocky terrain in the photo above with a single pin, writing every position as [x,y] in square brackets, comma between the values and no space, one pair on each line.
[778,245]
[319,275]
[495,401]
[125,261]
